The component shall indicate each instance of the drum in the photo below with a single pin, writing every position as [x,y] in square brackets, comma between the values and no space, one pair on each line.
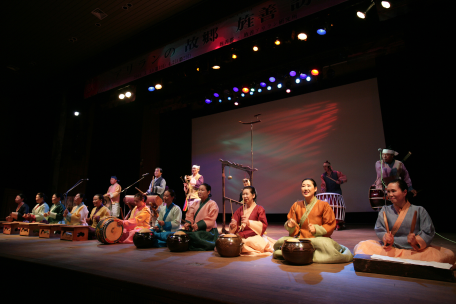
[108,231]
[336,201]
[178,241]
[298,251]
[377,198]
[143,238]
[229,245]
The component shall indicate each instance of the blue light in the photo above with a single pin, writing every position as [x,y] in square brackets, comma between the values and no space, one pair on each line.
[229,98]
[208,101]
[263,84]
[321,31]
[308,78]
[260,90]
[302,75]
[151,89]
[292,73]
[235,89]
[220,100]
[242,94]
[279,85]
[251,93]
[271,79]
[298,80]
[216,95]
[269,88]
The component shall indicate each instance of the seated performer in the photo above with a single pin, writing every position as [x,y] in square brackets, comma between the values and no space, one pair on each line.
[192,185]
[168,221]
[158,184]
[139,219]
[392,169]
[79,213]
[200,221]
[39,210]
[55,215]
[399,242]
[314,220]
[331,180]
[250,224]
[98,213]
[113,197]
[21,209]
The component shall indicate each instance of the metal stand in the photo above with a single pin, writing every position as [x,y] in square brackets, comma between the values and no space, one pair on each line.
[66,193]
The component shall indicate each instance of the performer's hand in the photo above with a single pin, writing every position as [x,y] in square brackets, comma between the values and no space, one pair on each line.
[411,239]
[245,220]
[125,200]
[9,218]
[388,240]
[161,223]
[89,220]
[414,192]
[195,227]
[65,213]
[312,229]
[338,182]
[292,223]
[156,228]
[97,218]
[233,224]
[186,226]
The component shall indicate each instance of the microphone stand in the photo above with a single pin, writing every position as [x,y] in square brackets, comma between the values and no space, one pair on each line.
[131,186]
[66,193]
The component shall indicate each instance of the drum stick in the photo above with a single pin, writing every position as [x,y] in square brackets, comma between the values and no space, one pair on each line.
[331,179]
[386,222]
[140,191]
[412,228]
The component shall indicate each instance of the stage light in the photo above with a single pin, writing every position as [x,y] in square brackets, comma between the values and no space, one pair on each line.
[252,89]
[271,79]
[76,113]
[216,95]
[279,85]
[234,56]
[386,4]
[235,89]
[292,73]
[128,94]
[277,42]
[302,36]
[288,90]
[315,72]
[251,93]
[263,84]
[229,98]
[269,88]
[245,89]
[255,48]
[208,101]
[298,80]
[321,31]
[151,89]
[242,94]
[216,67]
[308,78]
[198,69]
[158,86]
[302,76]
[220,100]
[362,15]
[121,96]
[260,90]
[236,103]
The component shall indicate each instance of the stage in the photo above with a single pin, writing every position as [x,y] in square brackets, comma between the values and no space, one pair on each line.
[93,272]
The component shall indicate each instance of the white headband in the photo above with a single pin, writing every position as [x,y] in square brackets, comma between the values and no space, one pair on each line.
[196,167]
[387,151]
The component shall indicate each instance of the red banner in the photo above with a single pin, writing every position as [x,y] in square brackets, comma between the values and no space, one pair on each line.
[253,21]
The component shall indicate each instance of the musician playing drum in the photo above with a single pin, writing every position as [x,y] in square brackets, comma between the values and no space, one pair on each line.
[331,180]
[139,219]
[404,234]
[98,213]
[113,197]
[392,169]
[158,184]
[21,210]
[192,185]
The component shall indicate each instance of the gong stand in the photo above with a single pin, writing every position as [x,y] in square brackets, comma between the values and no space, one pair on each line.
[247,169]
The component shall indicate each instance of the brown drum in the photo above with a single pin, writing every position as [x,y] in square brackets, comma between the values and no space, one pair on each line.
[178,242]
[229,245]
[108,231]
[298,251]
[377,198]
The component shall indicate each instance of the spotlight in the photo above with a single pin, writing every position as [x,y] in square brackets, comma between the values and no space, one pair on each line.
[302,76]
[263,84]
[260,90]
[242,94]
[279,85]
[255,48]
[235,89]
[362,15]
[234,56]
[288,91]
[245,89]
[216,95]
[271,79]
[269,88]
[251,93]
[302,36]
[121,96]
[252,89]
[220,100]
[76,113]
[229,98]
[315,72]
[236,103]
[277,42]
[308,78]
[158,86]
[208,101]
[288,86]
[128,94]
[298,80]
[151,89]
[386,4]
[292,73]
[216,67]
[198,69]
[321,31]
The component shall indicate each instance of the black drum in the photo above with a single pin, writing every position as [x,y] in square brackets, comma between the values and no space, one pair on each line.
[143,239]
[178,241]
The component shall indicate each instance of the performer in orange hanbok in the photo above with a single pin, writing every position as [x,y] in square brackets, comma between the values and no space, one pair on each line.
[139,219]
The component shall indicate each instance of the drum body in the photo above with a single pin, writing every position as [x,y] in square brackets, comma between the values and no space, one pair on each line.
[143,239]
[377,198]
[108,231]
[336,201]
[229,245]
[178,241]
[298,251]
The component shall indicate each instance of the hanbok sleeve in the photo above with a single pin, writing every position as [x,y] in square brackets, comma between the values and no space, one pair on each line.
[39,216]
[190,215]
[342,177]
[380,228]
[292,215]
[116,191]
[328,222]
[378,181]
[237,217]
[161,189]
[208,222]
[176,217]
[426,229]
[199,182]
[261,219]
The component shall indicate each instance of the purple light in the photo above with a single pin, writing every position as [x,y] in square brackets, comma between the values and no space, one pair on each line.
[208,101]
[235,89]
[292,73]
[263,84]
[216,95]
[271,79]
[302,76]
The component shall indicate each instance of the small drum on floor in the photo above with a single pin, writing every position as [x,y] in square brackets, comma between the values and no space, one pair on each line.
[144,238]
[336,201]
[377,198]
[178,241]
[108,231]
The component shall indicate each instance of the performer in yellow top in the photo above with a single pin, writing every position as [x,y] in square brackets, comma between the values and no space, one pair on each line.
[139,219]
[98,213]
[113,197]
[193,182]
[78,214]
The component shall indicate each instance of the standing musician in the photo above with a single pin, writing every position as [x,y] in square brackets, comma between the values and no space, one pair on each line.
[98,213]
[246,183]
[158,184]
[392,169]
[192,185]
[21,210]
[112,197]
[331,180]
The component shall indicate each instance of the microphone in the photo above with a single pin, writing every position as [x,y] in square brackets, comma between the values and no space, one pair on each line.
[86,179]
[145,174]
[380,149]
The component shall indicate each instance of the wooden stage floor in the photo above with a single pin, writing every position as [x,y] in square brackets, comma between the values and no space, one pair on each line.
[120,272]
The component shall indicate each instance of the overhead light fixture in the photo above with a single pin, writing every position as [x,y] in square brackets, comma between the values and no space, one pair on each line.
[292,73]
[269,88]
[260,90]
[216,95]
[234,56]
[128,94]
[362,15]
[242,94]
[158,86]
[235,89]
[236,103]
[245,89]
[121,96]
[216,67]
[315,72]
[263,84]
[198,69]
[321,31]
[208,101]
[76,113]
[298,80]
[386,4]
[302,75]
[255,48]
[302,36]
[277,42]
[272,79]
[279,85]
[151,89]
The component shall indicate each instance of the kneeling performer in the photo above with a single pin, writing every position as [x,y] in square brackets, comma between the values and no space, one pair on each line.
[169,219]
[139,219]
[98,213]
